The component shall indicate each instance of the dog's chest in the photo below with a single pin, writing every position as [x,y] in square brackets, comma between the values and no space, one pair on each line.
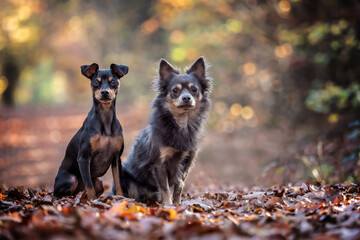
[106,143]
[104,150]
[169,154]
[173,159]
[182,121]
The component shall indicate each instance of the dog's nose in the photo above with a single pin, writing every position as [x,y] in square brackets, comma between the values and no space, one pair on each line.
[186,99]
[105,92]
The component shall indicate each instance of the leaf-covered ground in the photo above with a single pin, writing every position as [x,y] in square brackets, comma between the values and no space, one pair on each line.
[288,212]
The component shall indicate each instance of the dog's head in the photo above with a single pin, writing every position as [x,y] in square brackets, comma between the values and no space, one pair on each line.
[104,83]
[183,92]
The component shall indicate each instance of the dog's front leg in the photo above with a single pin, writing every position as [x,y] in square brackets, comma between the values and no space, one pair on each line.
[116,172]
[163,182]
[178,188]
[84,166]
[182,175]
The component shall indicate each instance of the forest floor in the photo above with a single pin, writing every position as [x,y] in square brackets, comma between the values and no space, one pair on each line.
[301,211]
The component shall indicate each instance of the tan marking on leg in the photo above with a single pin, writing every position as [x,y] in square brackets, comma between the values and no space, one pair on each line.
[98,187]
[116,178]
[90,192]
[166,153]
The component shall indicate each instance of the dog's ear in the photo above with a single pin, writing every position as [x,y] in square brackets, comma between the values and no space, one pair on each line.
[166,70]
[89,70]
[198,67]
[119,70]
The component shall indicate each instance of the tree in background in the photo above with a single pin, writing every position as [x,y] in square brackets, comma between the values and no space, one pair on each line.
[19,36]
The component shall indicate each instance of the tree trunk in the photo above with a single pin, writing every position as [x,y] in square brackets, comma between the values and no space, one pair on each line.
[11,71]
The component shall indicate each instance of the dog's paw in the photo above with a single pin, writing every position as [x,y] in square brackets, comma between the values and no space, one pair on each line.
[167,202]
[177,200]
[90,193]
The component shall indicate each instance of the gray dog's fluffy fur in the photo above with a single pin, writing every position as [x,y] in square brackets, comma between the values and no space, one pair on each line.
[163,153]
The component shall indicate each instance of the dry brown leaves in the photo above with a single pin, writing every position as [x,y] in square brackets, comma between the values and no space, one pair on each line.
[291,212]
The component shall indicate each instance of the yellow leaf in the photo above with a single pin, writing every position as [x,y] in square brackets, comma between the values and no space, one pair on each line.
[137,209]
[333,118]
[196,209]
[117,209]
[258,211]
[172,213]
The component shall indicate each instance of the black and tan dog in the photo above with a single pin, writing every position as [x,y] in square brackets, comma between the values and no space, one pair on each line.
[163,153]
[99,142]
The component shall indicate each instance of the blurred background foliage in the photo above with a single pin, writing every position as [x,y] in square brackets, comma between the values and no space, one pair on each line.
[288,64]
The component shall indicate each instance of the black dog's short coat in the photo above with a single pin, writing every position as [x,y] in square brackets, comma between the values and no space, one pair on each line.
[161,157]
[99,142]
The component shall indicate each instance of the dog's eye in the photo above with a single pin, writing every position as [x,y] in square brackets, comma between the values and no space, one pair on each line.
[113,83]
[193,89]
[96,83]
[175,90]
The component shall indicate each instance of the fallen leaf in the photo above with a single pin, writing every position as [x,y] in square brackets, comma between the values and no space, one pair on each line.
[117,209]
[128,215]
[181,208]
[168,214]
[137,209]
[272,202]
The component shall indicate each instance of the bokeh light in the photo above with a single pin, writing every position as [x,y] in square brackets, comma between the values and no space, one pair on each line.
[249,68]
[177,36]
[247,112]
[236,109]
[150,26]
[284,6]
